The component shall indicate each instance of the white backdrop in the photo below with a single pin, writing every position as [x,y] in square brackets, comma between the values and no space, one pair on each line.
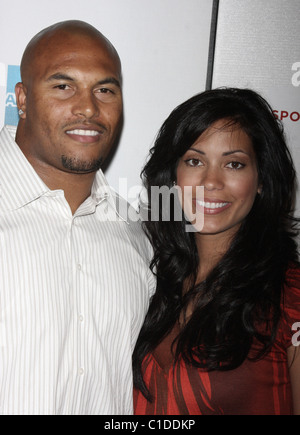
[163,45]
[258,46]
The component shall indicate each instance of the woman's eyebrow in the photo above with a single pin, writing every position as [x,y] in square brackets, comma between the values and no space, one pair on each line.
[227,153]
[197,151]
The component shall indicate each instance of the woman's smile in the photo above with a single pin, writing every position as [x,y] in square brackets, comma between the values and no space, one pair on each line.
[211,207]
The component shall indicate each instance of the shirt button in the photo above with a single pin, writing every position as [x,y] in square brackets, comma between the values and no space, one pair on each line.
[80,318]
[79,266]
[81,371]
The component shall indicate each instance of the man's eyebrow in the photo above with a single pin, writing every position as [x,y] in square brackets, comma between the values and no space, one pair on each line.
[62,76]
[109,80]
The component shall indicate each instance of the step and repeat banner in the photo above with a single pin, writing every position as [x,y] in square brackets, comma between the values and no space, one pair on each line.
[163,45]
[257,46]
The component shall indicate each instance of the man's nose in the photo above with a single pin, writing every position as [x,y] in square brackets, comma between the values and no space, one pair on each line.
[86,105]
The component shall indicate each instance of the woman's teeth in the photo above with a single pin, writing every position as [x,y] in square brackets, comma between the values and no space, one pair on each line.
[212,205]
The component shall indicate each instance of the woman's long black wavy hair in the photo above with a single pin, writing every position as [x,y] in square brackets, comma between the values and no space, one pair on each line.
[240,299]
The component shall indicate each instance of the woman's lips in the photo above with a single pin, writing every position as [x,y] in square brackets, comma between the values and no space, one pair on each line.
[212,207]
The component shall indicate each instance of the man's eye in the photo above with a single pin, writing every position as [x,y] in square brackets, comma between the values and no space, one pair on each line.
[105,95]
[105,91]
[62,87]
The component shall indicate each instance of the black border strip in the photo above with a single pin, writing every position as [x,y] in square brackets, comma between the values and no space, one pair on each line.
[212,44]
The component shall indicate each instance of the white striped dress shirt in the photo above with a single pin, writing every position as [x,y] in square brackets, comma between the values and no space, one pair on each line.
[74,291]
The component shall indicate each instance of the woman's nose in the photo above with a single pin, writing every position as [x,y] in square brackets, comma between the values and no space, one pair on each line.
[213,179]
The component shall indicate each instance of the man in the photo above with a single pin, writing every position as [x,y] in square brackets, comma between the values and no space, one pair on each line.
[74,269]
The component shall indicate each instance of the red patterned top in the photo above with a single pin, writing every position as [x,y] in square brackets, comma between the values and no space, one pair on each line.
[255,388]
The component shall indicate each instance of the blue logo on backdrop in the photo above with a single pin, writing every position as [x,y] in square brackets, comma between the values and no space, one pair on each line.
[11,110]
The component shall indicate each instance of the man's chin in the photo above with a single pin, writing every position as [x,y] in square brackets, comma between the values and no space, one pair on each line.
[81,166]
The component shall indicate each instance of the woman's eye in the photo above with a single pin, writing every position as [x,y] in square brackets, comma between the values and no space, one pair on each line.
[193,162]
[235,165]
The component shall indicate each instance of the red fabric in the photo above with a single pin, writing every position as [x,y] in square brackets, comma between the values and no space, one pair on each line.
[255,388]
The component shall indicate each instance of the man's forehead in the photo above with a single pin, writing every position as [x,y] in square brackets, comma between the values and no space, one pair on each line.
[70,62]
[69,43]
[64,44]
[74,62]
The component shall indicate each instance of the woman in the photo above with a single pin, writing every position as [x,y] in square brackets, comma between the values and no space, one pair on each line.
[218,337]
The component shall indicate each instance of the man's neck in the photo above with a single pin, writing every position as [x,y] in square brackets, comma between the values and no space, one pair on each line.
[77,187]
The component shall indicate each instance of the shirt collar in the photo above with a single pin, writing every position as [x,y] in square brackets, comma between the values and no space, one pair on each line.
[102,190]
[21,185]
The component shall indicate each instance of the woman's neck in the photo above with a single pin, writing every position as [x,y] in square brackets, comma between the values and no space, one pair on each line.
[211,249]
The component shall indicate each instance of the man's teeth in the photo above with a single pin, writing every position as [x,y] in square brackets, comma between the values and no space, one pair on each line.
[212,205]
[83,132]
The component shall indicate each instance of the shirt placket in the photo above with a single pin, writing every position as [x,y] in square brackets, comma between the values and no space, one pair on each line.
[79,316]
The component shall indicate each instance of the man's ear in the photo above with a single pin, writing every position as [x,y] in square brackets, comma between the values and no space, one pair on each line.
[21,91]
